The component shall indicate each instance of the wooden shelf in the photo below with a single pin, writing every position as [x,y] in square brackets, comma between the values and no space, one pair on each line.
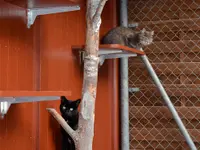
[112,47]
[163,134]
[109,51]
[157,112]
[28,11]
[31,96]
[34,93]
[29,4]
[12,97]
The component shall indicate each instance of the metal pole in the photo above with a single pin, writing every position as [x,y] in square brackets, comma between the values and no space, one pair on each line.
[168,102]
[124,99]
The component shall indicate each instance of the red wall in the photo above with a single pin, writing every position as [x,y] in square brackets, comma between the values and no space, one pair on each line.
[29,126]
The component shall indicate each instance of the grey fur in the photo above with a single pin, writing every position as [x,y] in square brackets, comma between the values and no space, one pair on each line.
[128,37]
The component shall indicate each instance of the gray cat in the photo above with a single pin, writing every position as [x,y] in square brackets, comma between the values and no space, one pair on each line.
[128,37]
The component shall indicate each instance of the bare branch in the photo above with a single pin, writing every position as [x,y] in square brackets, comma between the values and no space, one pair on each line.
[99,10]
[88,12]
[63,123]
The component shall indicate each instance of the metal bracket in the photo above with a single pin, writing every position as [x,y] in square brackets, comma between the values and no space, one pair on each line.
[133,90]
[81,56]
[34,12]
[4,106]
[133,25]
[5,102]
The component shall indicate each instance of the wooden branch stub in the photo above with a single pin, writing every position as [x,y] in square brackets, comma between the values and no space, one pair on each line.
[93,14]
[64,124]
[98,12]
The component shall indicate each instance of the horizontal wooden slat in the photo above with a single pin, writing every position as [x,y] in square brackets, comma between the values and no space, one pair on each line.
[150,112]
[138,16]
[172,25]
[43,3]
[151,16]
[159,15]
[176,35]
[147,98]
[189,13]
[157,145]
[173,46]
[157,6]
[165,58]
[161,123]
[138,76]
[163,134]
[34,93]
[172,90]
[170,86]
[167,36]
[190,35]
[172,68]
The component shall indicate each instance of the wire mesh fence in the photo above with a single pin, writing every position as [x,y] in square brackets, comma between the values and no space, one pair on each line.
[175,56]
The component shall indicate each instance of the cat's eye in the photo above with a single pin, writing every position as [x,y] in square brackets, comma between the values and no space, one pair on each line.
[64,107]
[71,109]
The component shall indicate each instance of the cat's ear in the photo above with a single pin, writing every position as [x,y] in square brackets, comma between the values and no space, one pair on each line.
[63,99]
[77,102]
[143,30]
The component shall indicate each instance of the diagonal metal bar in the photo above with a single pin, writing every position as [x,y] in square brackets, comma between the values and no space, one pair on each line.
[168,102]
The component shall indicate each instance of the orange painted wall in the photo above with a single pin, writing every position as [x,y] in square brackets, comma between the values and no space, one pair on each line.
[28,126]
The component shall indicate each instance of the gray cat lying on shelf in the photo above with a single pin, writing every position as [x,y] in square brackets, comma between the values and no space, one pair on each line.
[128,37]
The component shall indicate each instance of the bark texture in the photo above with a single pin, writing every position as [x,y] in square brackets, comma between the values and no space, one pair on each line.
[84,135]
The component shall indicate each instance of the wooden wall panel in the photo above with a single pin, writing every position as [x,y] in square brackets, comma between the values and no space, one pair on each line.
[29,126]
[16,73]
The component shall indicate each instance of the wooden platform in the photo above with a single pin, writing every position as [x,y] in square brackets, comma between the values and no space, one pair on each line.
[31,96]
[34,93]
[112,47]
[109,51]
[29,12]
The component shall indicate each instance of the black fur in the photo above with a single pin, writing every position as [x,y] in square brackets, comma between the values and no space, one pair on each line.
[69,111]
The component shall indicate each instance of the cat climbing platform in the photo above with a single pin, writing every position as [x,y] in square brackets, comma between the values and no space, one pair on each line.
[28,11]
[12,97]
[109,51]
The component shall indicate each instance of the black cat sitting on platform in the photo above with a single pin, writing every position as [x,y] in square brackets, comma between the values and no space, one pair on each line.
[69,111]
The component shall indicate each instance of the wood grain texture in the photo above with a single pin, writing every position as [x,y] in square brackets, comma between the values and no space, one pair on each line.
[16,73]
[29,126]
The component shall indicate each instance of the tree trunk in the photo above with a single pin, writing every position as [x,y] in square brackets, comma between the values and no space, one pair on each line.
[83,136]
[91,61]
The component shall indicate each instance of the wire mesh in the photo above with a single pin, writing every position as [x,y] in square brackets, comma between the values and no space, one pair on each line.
[175,56]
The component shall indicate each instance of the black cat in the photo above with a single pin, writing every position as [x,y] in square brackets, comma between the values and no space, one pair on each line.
[69,111]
